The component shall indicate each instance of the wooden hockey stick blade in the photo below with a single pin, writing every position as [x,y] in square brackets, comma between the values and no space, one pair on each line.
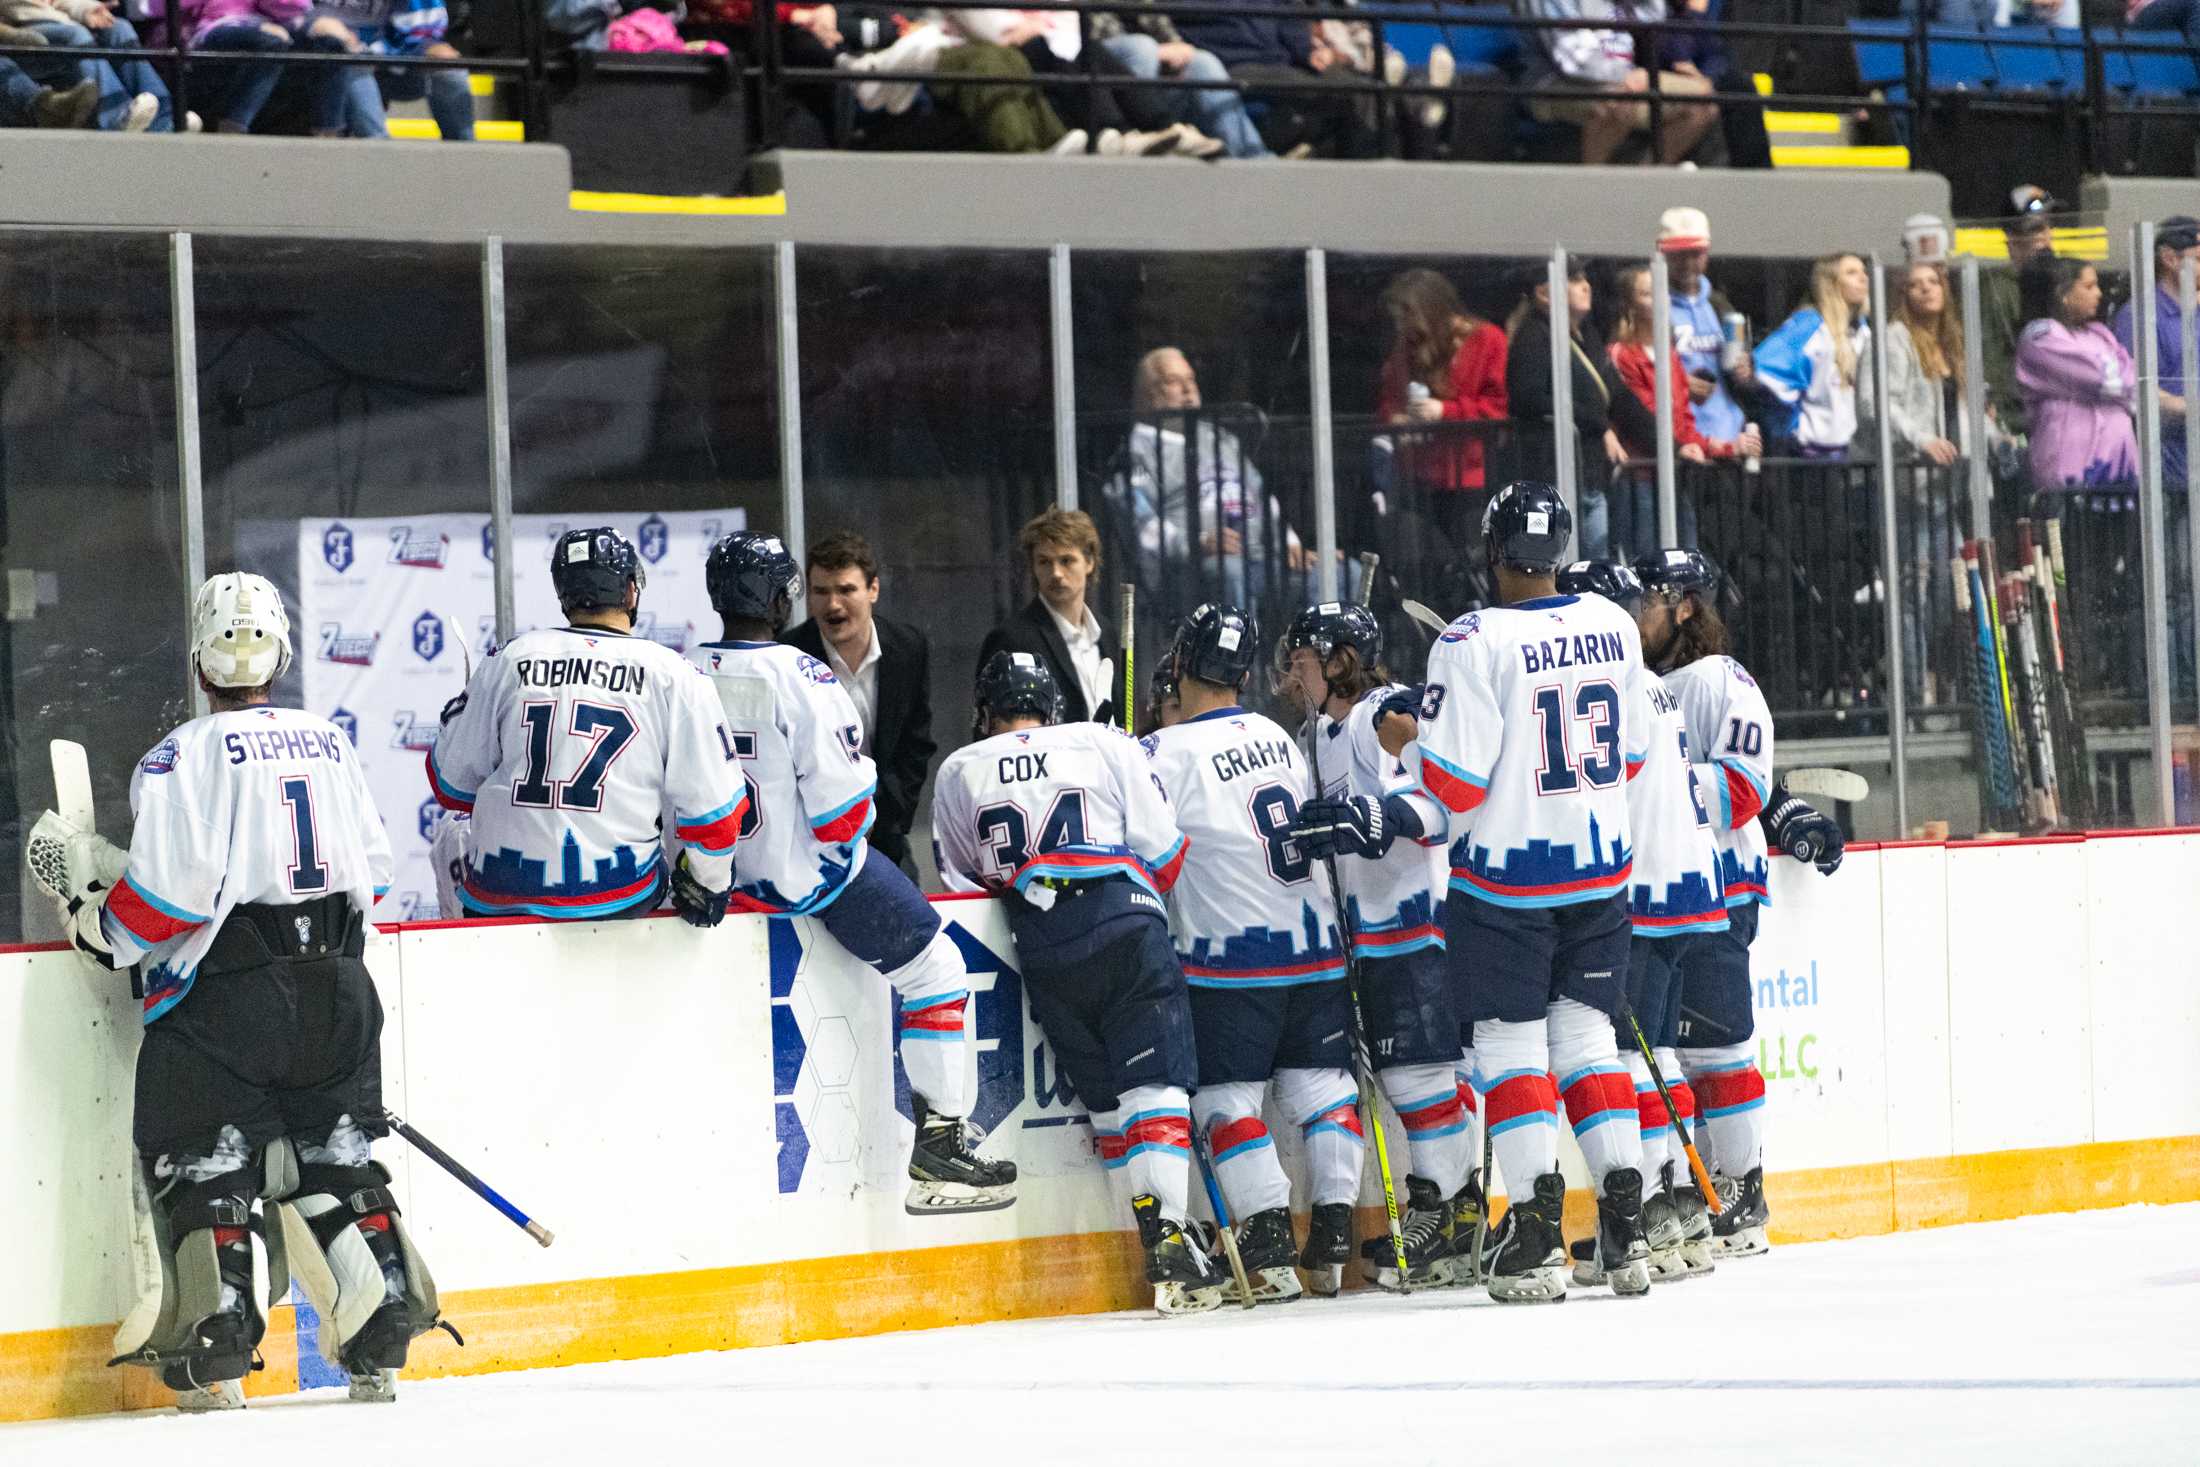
[1420,612]
[1834,784]
[465,648]
[72,782]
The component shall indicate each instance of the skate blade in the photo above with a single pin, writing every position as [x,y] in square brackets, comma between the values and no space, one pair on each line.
[1442,1274]
[1279,1285]
[1697,1255]
[1545,1285]
[374,1385]
[1747,1243]
[1324,1280]
[1668,1267]
[932,1199]
[222,1395]
[1173,1299]
[1631,1280]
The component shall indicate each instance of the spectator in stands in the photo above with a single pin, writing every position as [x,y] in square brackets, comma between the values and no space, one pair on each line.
[1701,50]
[585,25]
[397,28]
[886,666]
[1260,51]
[24,103]
[1154,49]
[1600,57]
[1633,356]
[132,96]
[1699,314]
[2176,240]
[1446,365]
[2167,15]
[1204,526]
[1062,549]
[237,92]
[1053,46]
[1987,14]
[2028,232]
[807,36]
[2078,381]
[1809,365]
[1599,449]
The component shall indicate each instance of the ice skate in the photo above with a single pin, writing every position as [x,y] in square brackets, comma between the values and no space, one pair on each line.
[1619,1254]
[1265,1246]
[1468,1208]
[947,1175]
[1661,1226]
[1328,1248]
[1525,1259]
[373,1385]
[222,1395]
[1739,1229]
[1184,1280]
[1694,1218]
[1429,1239]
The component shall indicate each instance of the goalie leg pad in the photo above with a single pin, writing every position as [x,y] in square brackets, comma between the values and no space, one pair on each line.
[347,1244]
[209,1323]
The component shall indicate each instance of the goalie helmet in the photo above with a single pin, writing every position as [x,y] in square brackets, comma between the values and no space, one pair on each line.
[240,634]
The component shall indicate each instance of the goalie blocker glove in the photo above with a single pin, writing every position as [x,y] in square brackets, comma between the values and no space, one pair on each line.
[1799,829]
[1356,826]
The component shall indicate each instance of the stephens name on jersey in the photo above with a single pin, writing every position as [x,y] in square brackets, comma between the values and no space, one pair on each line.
[1067,801]
[566,748]
[1676,887]
[1395,903]
[1730,738]
[1249,912]
[799,742]
[260,804]
[1534,720]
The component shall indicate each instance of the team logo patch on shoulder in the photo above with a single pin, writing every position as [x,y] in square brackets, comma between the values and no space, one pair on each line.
[1151,743]
[421,549]
[1463,628]
[814,670]
[163,758]
[1741,673]
[336,547]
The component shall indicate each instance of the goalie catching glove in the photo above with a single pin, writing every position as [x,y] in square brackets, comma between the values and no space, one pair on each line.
[1357,826]
[77,868]
[1797,828]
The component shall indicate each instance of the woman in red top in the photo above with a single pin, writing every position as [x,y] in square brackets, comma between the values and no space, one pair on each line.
[1446,366]
[1634,513]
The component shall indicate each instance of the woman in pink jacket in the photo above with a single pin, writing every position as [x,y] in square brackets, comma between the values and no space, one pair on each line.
[2076,379]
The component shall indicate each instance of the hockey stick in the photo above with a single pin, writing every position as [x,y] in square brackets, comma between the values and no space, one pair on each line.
[1833,784]
[473,1183]
[1223,1229]
[1696,1167]
[1420,612]
[1130,671]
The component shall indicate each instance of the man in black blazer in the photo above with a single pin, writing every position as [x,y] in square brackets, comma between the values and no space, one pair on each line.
[886,666]
[1062,550]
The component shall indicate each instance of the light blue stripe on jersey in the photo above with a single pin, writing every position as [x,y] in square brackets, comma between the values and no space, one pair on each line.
[714,816]
[839,810]
[1480,783]
[464,797]
[166,909]
[1594,893]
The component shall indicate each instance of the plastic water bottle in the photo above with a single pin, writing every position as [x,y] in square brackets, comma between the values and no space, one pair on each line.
[1753,463]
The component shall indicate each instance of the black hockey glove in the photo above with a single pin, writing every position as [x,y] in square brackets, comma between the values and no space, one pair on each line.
[696,903]
[1354,827]
[1797,828]
[1406,701]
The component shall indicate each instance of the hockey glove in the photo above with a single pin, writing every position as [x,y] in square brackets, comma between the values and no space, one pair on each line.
[1797,828]
[80,919]
[696,903]
[1351,827]
[1406,701]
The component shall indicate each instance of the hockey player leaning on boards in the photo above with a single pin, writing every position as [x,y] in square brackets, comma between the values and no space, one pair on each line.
[1256,933]
[795,738]
[1533,721]
[1730,740]
[256,856]
[1674,899]
[565,750]
[1068,824]
[1330,663]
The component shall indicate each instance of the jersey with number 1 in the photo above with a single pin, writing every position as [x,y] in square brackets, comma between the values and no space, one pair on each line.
[1534,721]
[566,748]
[1071,801]
[1251,911]
[265,805]
[1730,738]
[799,744]
[1676,888]
[1394,901]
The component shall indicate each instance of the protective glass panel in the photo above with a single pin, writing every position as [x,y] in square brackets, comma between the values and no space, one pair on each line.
[94,643]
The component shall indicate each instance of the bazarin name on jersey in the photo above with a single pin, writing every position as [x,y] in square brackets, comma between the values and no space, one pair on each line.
[581,672]
[1578,650]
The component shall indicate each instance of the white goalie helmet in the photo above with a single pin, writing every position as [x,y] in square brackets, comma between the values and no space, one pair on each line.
[240,634]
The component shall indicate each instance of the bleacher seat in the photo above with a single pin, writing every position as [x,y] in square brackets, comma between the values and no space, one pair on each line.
[1415,30]
[2161,64]
[2026,60]
[1878,45]
[1958,59]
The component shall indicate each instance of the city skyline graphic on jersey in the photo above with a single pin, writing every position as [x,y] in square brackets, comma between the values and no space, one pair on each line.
[1542,866]
[1688,896]
[831,876]
[1736,878]
[1417,910]
[1264,955]
[508,873]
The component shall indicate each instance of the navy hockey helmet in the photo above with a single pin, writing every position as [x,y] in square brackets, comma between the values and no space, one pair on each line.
[1607,578]
[1215,644]
[751,577]
[1674,573]
[1333,624]
[1017,685]
[594,567]
[1528,527]
[1162,685]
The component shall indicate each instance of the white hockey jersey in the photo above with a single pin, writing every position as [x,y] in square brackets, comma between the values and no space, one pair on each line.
[1730,738]
[566,748]
[1394,903]
[1250,911]
[1534,720]
[1071,800]
[256,805]
[799,743]
[1676,888]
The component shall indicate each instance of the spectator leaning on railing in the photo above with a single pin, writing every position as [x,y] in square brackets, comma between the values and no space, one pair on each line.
[1446,365]
[2077,380]
[1700,313]
[1599,398]
[2176,240]
[2028,232]
[1810,364]
[1601,56]
[132,96]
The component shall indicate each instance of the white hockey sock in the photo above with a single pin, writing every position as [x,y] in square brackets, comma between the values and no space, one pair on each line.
[1146,1145]
[1426,1098]
[1684,1101]
[1520,1105]
[935,1045]
[1246,1166]
[1657,1126]
[1471,1103]
[1600,1099]
[1731,1094]
[1326,1104]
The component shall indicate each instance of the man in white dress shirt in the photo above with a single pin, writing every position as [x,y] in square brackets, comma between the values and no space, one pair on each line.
[1062,548]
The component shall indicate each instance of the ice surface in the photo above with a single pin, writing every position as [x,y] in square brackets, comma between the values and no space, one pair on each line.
[2061,1339]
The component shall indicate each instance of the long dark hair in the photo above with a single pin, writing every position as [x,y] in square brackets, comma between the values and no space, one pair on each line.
[2044,281]
[1696,637]
[1358,678]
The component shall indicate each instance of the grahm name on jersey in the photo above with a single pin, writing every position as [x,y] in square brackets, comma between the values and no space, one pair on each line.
[1534,721]
[1676,887]
[1250,910]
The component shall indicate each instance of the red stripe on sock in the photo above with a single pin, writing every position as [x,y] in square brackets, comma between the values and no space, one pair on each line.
[1445,1112]
[1684,1099]
[1236,1133]
[1111,1147]
[1593,1095]
[1343,1114]
[1650,1111]
[1522,1095]
[1160,1131]
[1728,1088]
[944,1018]
[1467,1100]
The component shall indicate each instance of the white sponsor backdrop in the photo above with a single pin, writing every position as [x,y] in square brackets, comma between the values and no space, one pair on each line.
[669,1099]
[384,606]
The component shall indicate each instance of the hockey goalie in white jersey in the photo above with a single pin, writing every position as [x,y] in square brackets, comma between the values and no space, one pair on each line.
[1066,822]
[793,733]
[567,748]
